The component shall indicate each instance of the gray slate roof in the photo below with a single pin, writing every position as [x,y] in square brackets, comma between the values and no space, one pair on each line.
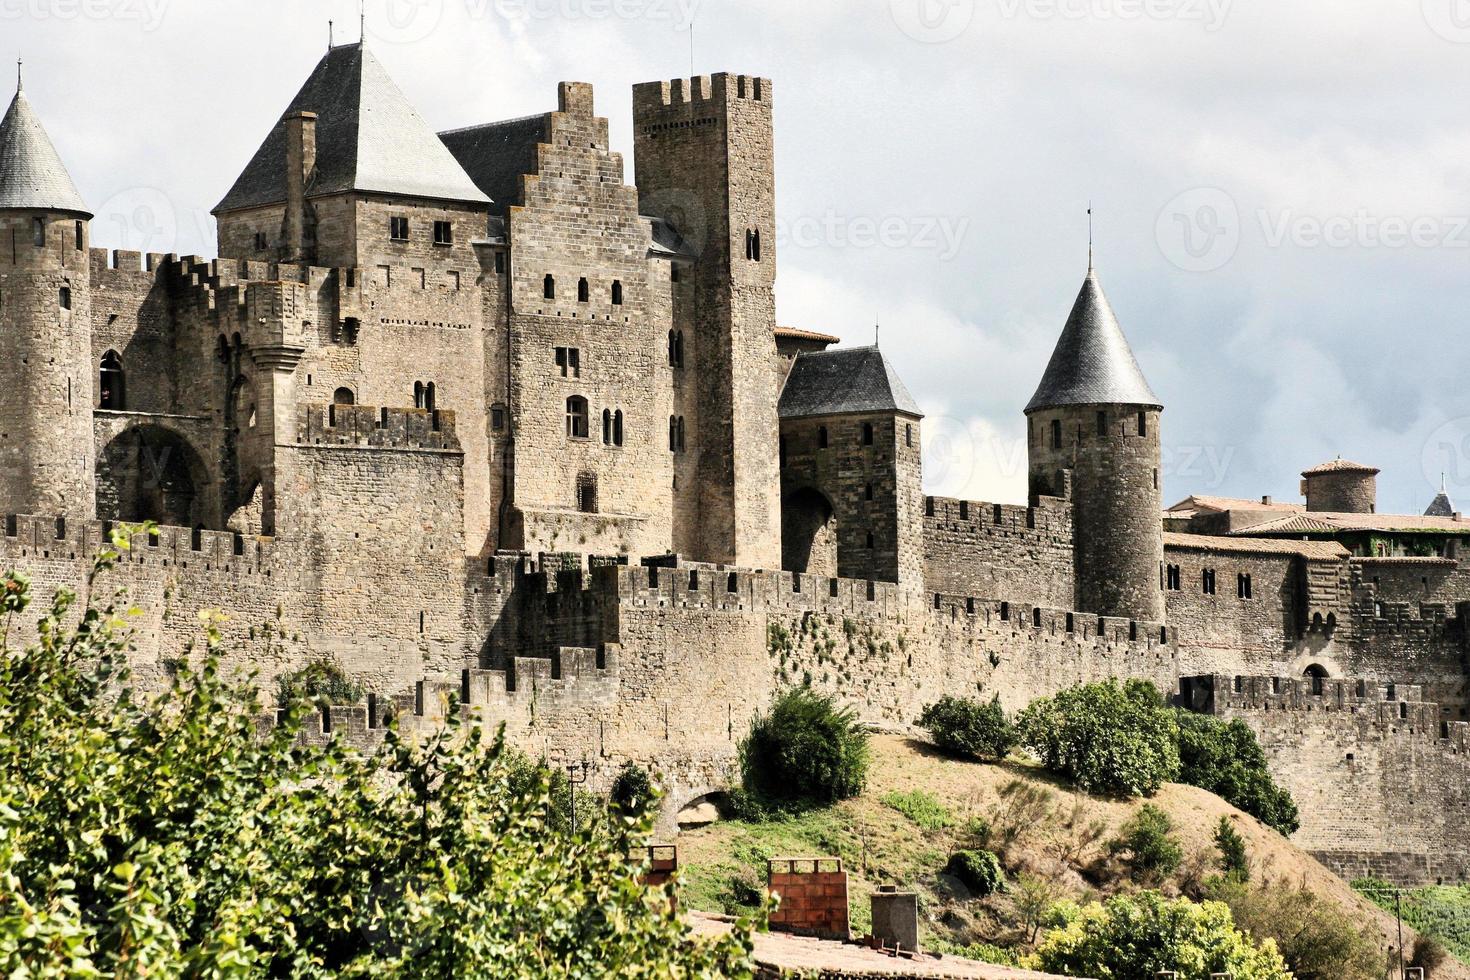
[1440,506]
[849,380]
[31,172]
[368,138]
[1092,363]
[495,155]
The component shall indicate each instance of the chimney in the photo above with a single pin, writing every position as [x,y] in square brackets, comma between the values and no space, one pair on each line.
[300,166]
[1266,500]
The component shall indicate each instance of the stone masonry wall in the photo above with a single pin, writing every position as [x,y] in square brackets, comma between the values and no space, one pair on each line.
[986,549]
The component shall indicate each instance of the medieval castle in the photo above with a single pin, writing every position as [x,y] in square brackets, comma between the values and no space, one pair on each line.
[475,416]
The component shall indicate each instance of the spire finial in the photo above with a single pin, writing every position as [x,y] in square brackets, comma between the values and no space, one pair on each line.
[329,37]
[361,22]
[19,84]
[1089,238]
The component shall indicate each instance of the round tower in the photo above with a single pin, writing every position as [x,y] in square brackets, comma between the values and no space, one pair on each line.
[46,443]
[1342,487]
[1093,437]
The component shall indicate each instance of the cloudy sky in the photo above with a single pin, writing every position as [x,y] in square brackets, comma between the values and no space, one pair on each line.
[1282,190]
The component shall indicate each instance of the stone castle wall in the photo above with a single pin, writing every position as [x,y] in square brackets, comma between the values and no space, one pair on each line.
[986,549]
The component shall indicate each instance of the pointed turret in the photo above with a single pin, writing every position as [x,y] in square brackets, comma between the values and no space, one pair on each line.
[1093,434]
[1441,505]
[32,176]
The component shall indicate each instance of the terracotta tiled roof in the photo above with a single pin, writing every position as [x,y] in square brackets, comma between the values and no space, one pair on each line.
[796,333]
[1339,465]
[1197,502]
[1314,550]
[1330,522]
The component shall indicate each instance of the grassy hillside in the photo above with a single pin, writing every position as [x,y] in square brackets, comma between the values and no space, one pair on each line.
[1442,910]
[920,806]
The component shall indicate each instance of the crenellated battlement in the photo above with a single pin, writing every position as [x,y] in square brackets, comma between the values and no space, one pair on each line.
[31,536]
[680,93]
[1049,515]
[368,427]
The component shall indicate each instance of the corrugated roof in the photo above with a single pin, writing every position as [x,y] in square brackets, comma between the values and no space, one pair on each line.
[1339,465]
[497,154]
[1314,550]
[1332,522]
[1092,363]
[368,139]
[31,172]
[845,381]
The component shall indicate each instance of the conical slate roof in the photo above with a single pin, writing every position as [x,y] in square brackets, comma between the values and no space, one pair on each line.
[1092,363]
[31,172]
[1441,505]
[368,138]
[849,380]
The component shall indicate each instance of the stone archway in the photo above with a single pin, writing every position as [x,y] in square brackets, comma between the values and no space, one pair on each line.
[151,473]
[809,533]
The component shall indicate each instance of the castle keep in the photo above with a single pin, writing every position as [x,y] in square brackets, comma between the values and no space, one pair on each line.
[478,418]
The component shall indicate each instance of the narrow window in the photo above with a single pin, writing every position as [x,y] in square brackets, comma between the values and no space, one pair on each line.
[617,293]
[679,348]
[398,229]
[111,386]
[673,272]
[81,237]
[574,361]
[497,418]
[343,396]
[350,327]
[576,417]
[260,241]
[822,437]
[868,492]
[443,233]
[672,362]
[867,433]
[1207,581]
[587,493]
[1173,579]
[681,434]
[548,286]
[418,394]
[38,231]
[673,434]
[908,435]
[1143,423]
[500,262]
[65,297]
[1102,424]
[607,427]
[429,400]
[561,360]
[1056,433]
[618,427]
[1242,586]
[870,541]
[582,291]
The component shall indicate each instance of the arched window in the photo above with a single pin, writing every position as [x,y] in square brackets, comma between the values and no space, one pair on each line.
[607,427]
[429,400]
[112,395]
[224,350]
[618,427]
[617,292]
[38,231]
[418,394]
[753,245]
[576,417]
[1316,673]
[870,540]
[548,286]
[1056,433]
[344,396]
[679,347]
[583,293]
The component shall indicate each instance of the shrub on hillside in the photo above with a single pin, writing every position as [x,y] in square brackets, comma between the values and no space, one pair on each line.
[805,750]
[1318,939]
[1107,738]
[1226,759]
[1136,937]
[979,871]
[632,790]
[964,726]
[171,837]
[1233,860]
[319,681]
[1146,844]
[922,807]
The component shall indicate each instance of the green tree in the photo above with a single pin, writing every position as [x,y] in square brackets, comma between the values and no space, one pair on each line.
[1135,937]
[1107,738]
[805,750]
[1147,845]
[1226,759]
[964,726]
[632,790]
[1318,939]
[170,837]
[1233,860]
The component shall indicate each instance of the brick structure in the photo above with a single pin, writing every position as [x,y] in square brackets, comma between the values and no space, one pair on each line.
[476,417]
[813,894]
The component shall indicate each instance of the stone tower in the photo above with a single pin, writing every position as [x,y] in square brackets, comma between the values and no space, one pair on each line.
[1341,486]
[46,454]
[704,152]
[1093,436]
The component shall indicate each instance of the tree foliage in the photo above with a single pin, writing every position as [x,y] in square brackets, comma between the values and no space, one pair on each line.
[1233,860]
[979,871]
[1135,937]
[1319,940]
[964,726]
[1226,759]
[1107,738]
[805,750]
[632,790]
[1146,844]
[172,838]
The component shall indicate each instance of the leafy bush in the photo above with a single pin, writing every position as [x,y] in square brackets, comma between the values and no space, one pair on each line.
[979,871]
[1318,939]
[173,838]
[967,727]
[1146,844]
[806,750]
[1226,759]
[922,808]
[1429,955]
[1106,738]
[319,681]
[1134,937]
[632,790]
[1233,860]
[1033,898]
